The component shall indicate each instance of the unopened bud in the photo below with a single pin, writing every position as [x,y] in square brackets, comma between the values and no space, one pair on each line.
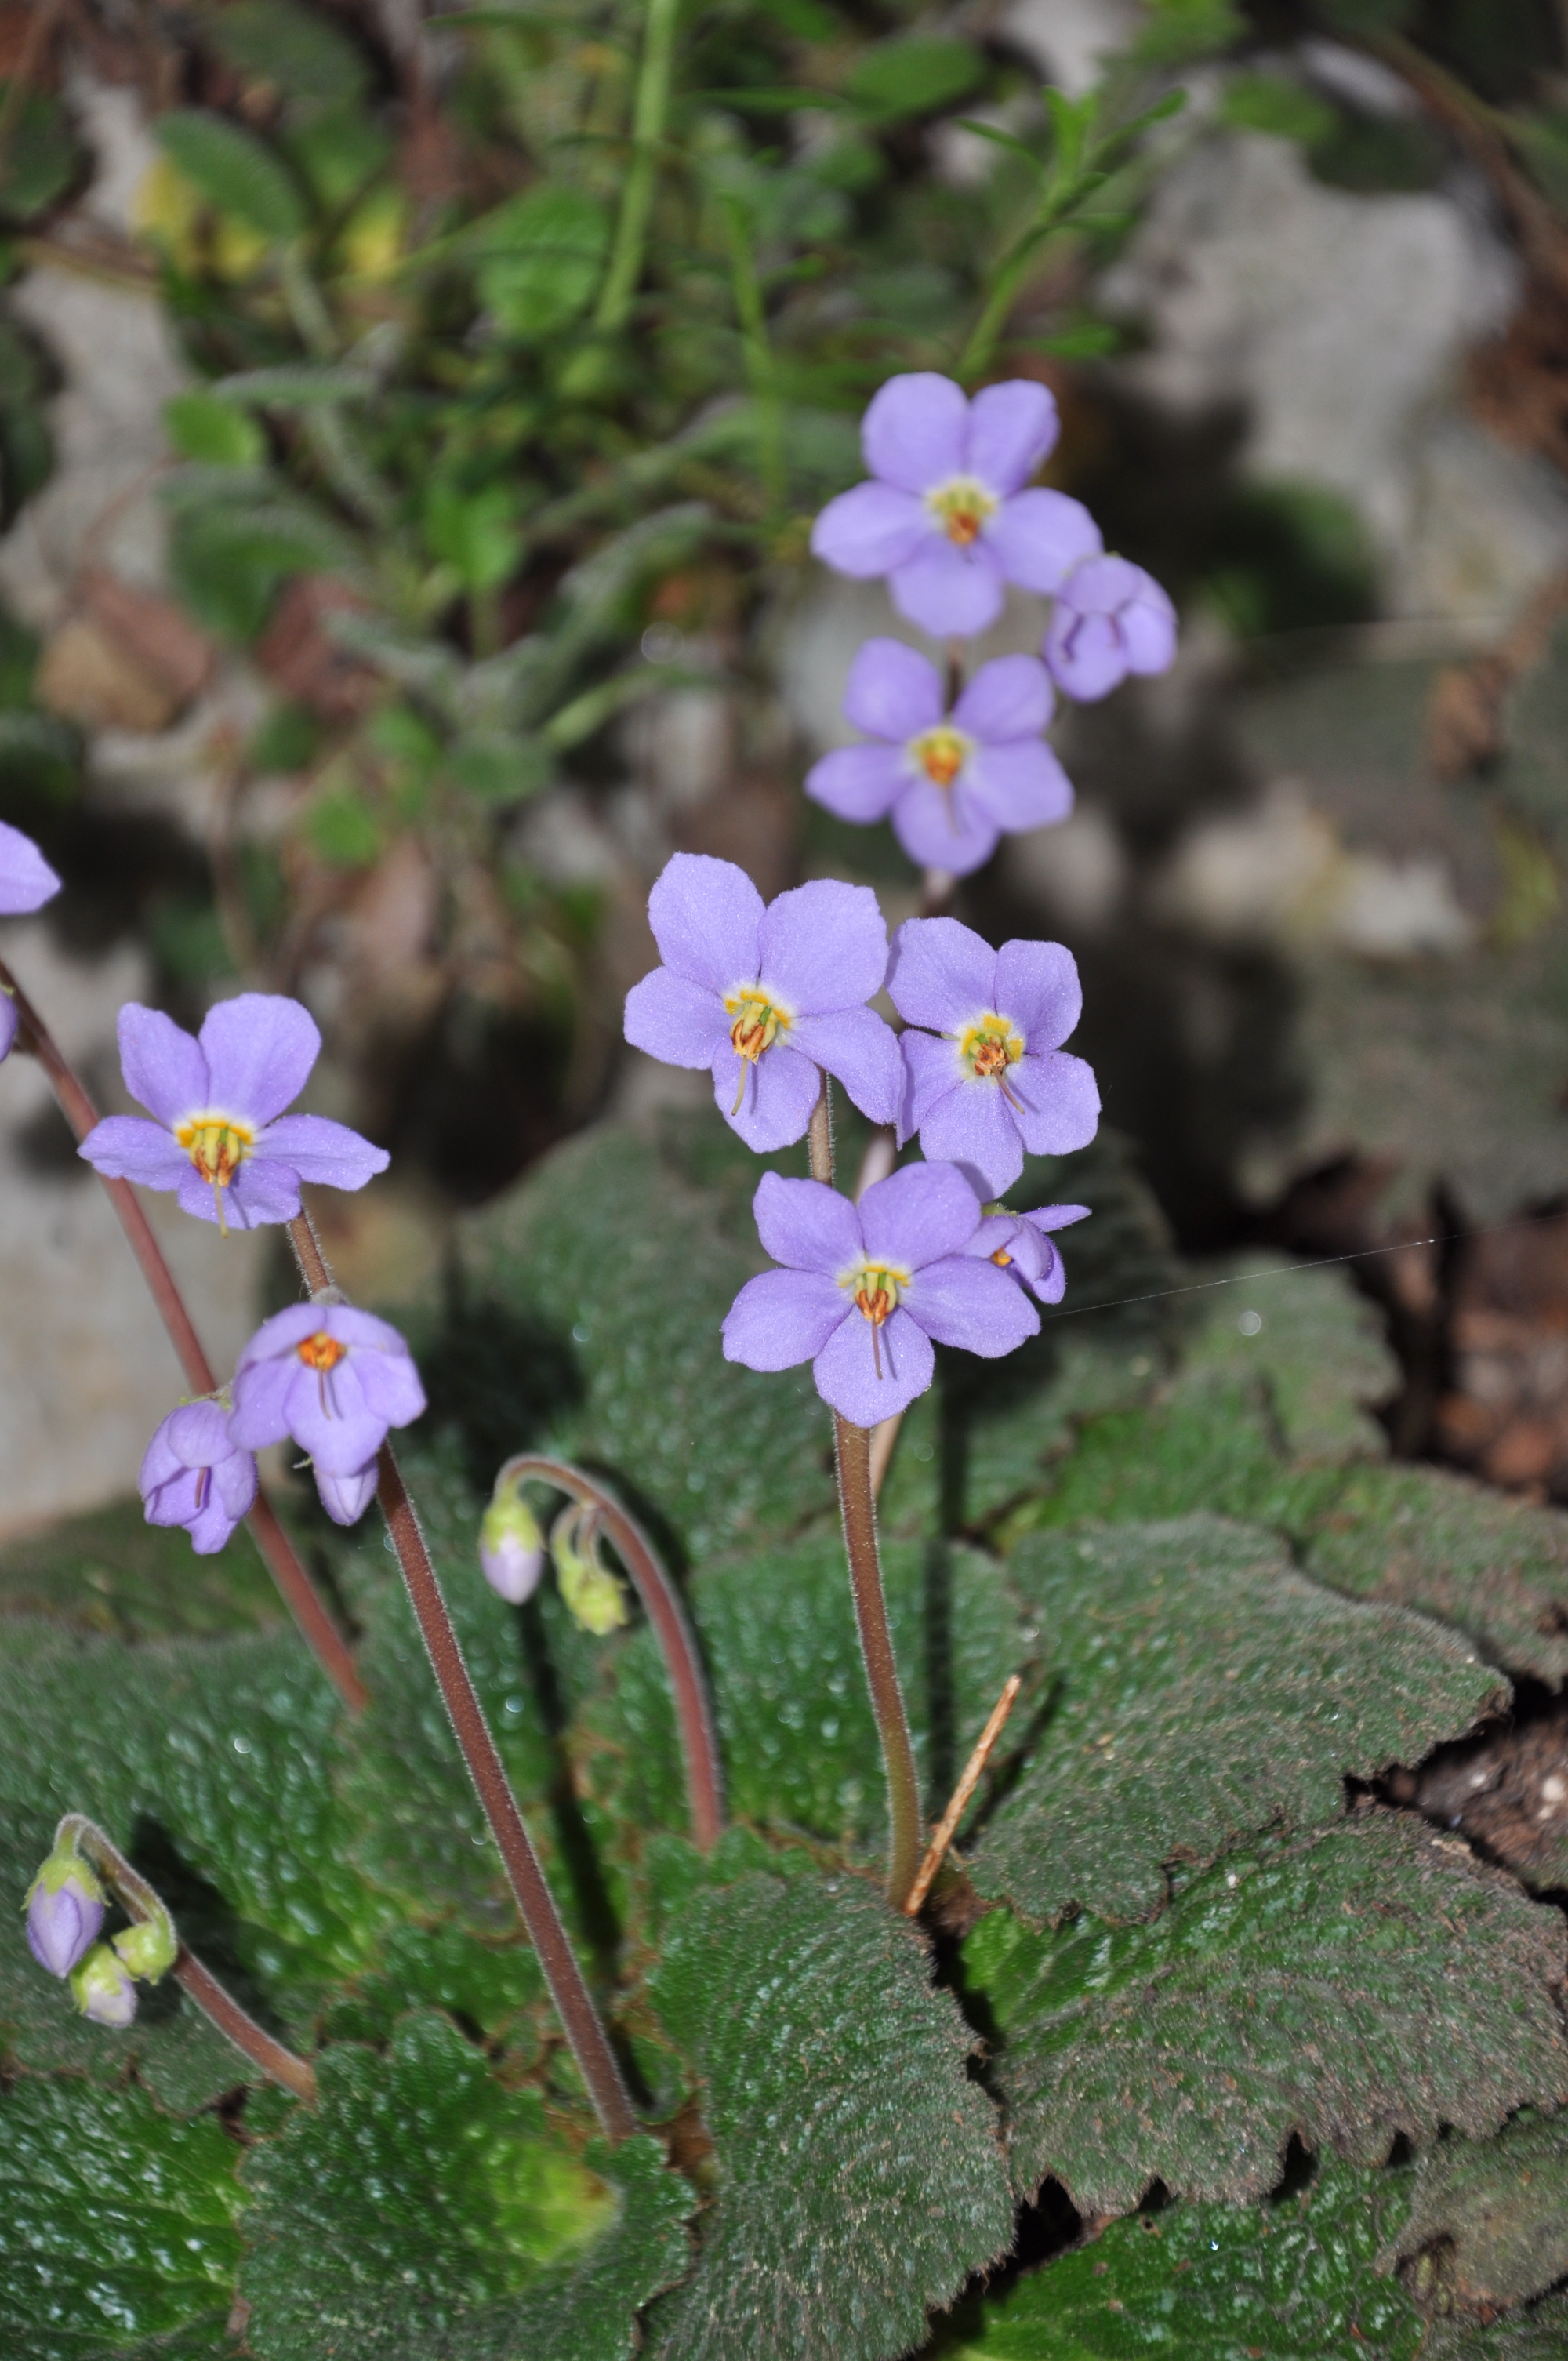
[594,1598]
[65,1910]
[347,1497]
[511,1547]
[103,1990]
[147,1949]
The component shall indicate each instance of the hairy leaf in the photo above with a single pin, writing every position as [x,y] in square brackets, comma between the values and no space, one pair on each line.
[112,1573]
[234,171]
[1373,1981]
[1196,1689]
[1315,1345]
[406,2212]
[1489,2223]
[116,2224]
[858,2176]
[1295,2278]
[1537,2333]
[302,51]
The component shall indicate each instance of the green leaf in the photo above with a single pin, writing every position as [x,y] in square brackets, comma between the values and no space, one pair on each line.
[492,1986]
[1295,2278]
[112,1573]
[1346,1987]
[204,426]
[1288,110]
[541,261]
[303,52]
[1198,1690]
[1540,2334]
[408,2211]
[1421,1537]
[234,171]
[858,2176]
[1315,1345]
[41,157]
[476,533]
[918,74]
[1489,2223]
[116,2223]
[296,386]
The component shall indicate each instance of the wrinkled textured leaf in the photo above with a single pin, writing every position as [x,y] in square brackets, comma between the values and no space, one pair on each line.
[1538,2333]
[1488,2222]
[1197,1689]
[858,2176]
[116,2224]
[112,1573]
[1295,2278]
[1347,1987]
[419,2193]
[300,50]
[1319,1352]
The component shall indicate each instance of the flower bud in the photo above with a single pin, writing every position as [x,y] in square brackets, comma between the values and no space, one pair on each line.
[147,1949]
[65,1910]
[511,1547]
[347,1497]
[593,1597]
[103,1990]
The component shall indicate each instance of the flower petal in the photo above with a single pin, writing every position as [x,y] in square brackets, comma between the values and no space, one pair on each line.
[125,1148]
[198,1434]
[1038,537]
[1085,653]
[1018,786]
[282,1332]
[1148,630]
[859,782]
[172,1501]
[870,531]
[860,1051]
[1009,697]
[776,1095]
[948,590]
[1050,1282]
[918,1214]
[1059,1106]
[941,974]
[1011,429]
[1038,987]
[259,1048]
[234,1479]
[347,1497]
[932,1068]
[390,1385]
[943,827]
[164,1069]
[823,947]
[329,1417]
[783,1317]
[916,431]
[260,1412]
[806,1224]
[9,1023]
[27,881]
[891,691]
[974,1128]
[1057,1218]
[706,915]
[319,1150]
[683,1024]
[972,1304]
[261,1191]
[866,1382]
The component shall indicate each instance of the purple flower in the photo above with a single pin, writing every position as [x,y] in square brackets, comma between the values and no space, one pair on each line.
[103,1990]
[765,994]
[347,1497]
[988,1079]
[866,1288]
[65,1910]
[1111,619]
[953,782]
[333,1377]
[27,881]
[944,516]
[195,1475]
[222,1138]
[1020,1242]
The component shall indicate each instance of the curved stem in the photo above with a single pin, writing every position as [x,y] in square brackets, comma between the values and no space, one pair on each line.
[300,1596]
[700,1743]
[142,1902]
[652,106]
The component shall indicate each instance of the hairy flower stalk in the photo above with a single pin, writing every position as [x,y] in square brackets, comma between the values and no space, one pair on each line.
[662,1604]
[573,2004]
[304,1600]
[151,1947]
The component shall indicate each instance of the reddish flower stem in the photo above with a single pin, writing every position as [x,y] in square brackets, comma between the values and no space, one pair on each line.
[142,1902]
[573,2004]
[300,1596]
[700,1743]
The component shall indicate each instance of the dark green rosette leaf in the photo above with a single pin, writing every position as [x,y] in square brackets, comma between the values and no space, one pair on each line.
[858,2176]
[1348,1987]
[422,2211]
[116,2224]
[1296,2279]
[1314,1346]
[112,1573]
[1195,1690]
[1538,2333]
[235,171]
[1489,2223]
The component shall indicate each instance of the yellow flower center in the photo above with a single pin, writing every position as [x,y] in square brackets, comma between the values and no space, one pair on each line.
[876,1287]
[941,753]
[757,1024]
[989,1046]
[218,1145]
[962,504]
[321,1352]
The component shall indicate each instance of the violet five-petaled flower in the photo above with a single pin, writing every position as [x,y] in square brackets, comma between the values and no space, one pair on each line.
[26,882]
[1022,1244]
[865,1289]
[764,994]
[945,516]
[221,1137]
[194,1474]
[987,1078]
[333,1377]
[65,1910]
[1111,619]
[951,783]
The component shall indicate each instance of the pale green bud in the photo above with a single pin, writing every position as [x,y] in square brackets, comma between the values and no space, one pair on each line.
[594,1597]
[103,1990]
[511,1547]
[148,1950]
